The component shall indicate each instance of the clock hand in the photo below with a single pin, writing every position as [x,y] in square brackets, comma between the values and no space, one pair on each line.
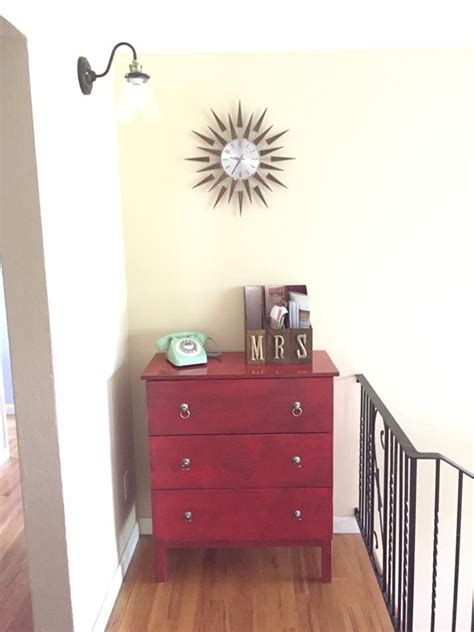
[237,164]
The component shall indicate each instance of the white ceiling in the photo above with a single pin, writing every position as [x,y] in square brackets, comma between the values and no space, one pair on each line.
[254,25]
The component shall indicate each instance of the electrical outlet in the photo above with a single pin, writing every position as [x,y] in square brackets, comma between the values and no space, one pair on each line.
[125,485]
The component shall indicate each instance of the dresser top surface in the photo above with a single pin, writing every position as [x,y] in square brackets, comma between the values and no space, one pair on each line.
[232,364]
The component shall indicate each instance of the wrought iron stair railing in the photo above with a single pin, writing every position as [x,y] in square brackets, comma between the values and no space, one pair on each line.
[388,504]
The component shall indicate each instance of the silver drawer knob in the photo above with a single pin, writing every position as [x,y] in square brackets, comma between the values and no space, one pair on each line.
[186,464]
[296,409]
[297,514]
[184,411]
[297,461]
[188,516]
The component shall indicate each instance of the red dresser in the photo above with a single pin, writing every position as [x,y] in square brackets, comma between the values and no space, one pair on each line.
[241,455]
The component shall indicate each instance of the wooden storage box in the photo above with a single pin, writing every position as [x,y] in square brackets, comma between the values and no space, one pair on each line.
[264,345]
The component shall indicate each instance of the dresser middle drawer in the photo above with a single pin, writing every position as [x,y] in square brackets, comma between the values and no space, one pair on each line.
[238,461]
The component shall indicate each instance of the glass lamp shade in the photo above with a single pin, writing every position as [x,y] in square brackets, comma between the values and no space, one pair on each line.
[136,101]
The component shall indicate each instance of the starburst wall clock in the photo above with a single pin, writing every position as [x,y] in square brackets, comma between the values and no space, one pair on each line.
[241,159]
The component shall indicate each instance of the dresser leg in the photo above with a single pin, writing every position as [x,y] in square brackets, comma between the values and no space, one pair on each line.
[160,562]
[326,562]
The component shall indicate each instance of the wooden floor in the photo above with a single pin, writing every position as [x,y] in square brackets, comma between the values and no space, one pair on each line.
[251,590]
[15,601]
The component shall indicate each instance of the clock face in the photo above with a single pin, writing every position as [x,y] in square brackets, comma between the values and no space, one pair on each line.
[240,159]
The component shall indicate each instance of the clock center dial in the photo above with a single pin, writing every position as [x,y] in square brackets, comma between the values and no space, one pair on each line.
[240,159]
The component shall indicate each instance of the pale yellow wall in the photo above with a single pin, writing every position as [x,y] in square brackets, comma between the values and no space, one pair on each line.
[375,221]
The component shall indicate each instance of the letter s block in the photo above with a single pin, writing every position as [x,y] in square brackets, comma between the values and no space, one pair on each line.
[301,346]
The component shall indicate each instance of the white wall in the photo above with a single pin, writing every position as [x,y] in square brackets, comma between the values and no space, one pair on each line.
[82,232]
[21,250]
[87,297]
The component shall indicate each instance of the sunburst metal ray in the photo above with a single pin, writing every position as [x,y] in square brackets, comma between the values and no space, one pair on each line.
[220,196]
[233,133]
[215,152]
[258,124]
[264,152]
[206,139]
[208,178]
[240,195]
[239,116]
[260,195]
[261,136]
[247,189]
[222,177]
[220,138]
[259,178]
[272,139]
[221,125]
[265,165]
[216,165]
[272,178]
[232,189]
[248,128]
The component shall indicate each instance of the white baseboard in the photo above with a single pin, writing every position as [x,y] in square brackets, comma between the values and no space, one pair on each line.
[10,409]
[345,524]
[342,524]
[145,526]
[117,580]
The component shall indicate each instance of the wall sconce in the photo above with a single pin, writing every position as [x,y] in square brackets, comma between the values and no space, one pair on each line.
[87,76]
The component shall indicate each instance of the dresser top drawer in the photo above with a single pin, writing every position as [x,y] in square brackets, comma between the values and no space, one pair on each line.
[240,406]
[232,365]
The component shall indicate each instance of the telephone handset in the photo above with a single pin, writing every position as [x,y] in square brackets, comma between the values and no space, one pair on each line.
[186,348]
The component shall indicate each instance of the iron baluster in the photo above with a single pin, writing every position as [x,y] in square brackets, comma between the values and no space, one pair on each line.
[364,465]
[379,493]
[394,547]
[371,477]
[361,456]
[390,527]
[400,536]
[405,546]
[458,547]
[367,467]
[411,544]
[385,508]
[435,547]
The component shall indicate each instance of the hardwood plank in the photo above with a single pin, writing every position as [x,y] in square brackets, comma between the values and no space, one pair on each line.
[15,598]
[268,589]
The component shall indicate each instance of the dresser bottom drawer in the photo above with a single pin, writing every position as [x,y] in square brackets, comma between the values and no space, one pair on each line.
[242,515]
